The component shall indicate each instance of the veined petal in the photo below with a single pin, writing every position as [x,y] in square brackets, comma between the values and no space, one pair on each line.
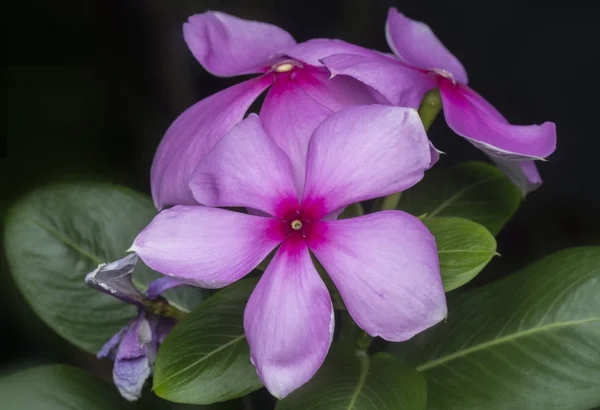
[470,116]
[247,169]
[290,115]
[400,84]
[311,52]
[385,266]
[414,43]
[289,320]
[226,45]
[361,153]
[193,134]
[523,174]
[207,247]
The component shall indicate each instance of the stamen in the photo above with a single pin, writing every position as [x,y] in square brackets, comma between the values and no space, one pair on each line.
[296,225]
[283,68]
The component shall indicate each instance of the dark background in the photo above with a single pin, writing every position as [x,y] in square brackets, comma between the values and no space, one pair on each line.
[91,86]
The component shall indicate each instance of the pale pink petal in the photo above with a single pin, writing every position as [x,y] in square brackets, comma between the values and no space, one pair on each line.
[470,116]
[290,115]
[339,92]
[247,169]
[414,43]
[193,134]
[361,153]
[523,174]
[312,51]
[207,247]
[400,84]
[385,266]
[226,45]
[289,320]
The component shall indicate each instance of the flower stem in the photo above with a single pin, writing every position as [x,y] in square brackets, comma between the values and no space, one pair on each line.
[363,341]
[431,104]
[162,308]
[430,107]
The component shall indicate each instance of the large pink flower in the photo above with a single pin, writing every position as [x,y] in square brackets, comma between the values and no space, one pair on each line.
[301,96]
[422,63]
[384,265]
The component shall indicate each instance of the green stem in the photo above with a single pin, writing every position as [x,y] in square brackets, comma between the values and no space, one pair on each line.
[431,104]
[430,107]
[390,202]
[162,308]
[363,341]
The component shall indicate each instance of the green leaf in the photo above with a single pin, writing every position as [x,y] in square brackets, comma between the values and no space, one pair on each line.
[529,341]
[206,358]
[355,381]
[473,190]
[58,387]
[464,249]
[57,234]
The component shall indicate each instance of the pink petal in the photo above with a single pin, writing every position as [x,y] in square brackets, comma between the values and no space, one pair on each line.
[472,117]
[312,51]
[193,134]
[246,168]
[414,43]
[289,116]
[207,247]
[339,92]
[289,320]
[226,45]
[361,153]
[399,84]
[523,174]
[385,266]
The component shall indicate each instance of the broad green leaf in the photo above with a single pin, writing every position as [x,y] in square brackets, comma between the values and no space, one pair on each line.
[350,381]
[58,387]
[473,190]
[206,358]
[530,341]
[57,234]
[464,248]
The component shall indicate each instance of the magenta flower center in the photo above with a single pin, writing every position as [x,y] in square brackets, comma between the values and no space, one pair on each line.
[298,222]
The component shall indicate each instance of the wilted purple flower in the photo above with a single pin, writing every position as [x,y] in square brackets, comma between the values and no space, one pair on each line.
[423,63]
[301,96]
[384,265]
[134,347]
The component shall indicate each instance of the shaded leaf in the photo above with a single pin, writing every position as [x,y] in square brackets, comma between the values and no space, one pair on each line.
[206,358]
[58,387]
[473,190]
[464,249]
[57,234]
[529,341]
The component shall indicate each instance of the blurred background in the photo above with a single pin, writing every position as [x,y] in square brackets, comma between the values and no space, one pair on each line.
[91,86]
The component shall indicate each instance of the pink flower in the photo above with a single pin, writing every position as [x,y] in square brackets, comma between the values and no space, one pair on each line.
[424,63]
[301,96]
[384,265]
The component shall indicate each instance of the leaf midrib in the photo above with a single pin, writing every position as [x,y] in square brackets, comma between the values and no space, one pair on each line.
[95,259]
[67,241]
[365,362]
[457,195]
[504,339]
[212,353]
